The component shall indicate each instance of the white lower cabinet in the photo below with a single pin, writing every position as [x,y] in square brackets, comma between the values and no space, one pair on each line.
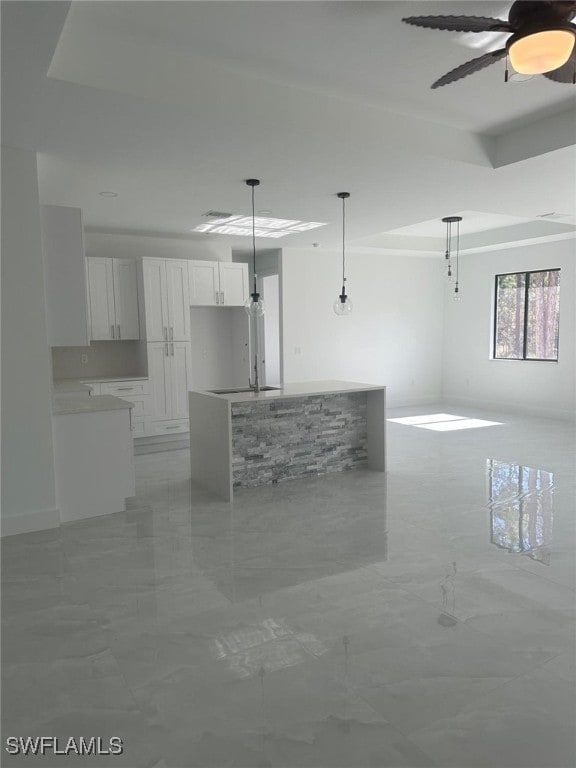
[169,427]
[137,392]
[170,375]
[140,426]
[160,401]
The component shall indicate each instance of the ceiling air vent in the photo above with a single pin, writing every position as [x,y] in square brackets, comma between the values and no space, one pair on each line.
[217,215]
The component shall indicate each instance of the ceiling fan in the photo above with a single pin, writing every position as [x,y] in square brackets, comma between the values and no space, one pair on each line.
[541,40]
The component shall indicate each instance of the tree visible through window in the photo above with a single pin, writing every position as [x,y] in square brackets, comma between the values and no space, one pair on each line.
[526,315]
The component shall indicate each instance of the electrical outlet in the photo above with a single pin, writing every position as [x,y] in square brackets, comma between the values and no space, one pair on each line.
[83,359]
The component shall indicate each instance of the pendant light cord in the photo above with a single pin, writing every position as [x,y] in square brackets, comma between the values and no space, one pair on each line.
[343,242]
[254,240]
[457,249]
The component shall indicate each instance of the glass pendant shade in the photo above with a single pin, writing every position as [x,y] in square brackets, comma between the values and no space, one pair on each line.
[542,51]
[254,307]
[342,305]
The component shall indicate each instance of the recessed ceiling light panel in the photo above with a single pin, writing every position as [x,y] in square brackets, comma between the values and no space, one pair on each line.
[265,227]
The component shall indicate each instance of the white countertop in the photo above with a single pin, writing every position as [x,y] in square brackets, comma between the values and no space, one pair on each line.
[69,386]
[98,379]
[298,389]
[62,404]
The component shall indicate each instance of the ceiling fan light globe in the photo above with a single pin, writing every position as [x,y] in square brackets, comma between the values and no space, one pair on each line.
[541,52]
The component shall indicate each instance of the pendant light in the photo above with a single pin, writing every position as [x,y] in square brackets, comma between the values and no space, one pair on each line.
[449,220]
[447,252]
[342,305]
[254,306]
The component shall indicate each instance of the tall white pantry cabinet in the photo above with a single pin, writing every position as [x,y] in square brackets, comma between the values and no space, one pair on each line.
[165,326]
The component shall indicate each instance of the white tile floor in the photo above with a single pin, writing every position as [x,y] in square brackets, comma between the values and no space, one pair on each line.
[349,620]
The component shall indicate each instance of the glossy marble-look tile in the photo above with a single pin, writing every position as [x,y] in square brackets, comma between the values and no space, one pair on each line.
[527,723]
[423,618]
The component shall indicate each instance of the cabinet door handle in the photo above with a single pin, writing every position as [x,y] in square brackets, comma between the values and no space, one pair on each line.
[166,349]
[171,333]
[221,297]
[119,336]
[175,426]
[165,333]
[124,389]
[217,297]
[112,331]
[172,349]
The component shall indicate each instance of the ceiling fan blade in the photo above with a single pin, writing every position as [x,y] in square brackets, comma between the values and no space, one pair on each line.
[460,23]
[470,67]
[566,73]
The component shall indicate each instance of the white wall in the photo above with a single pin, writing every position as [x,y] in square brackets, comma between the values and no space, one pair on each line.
[470,375]
[393,336]
[114,245]
[28,494]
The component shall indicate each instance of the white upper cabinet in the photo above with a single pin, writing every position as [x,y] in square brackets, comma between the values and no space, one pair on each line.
[178,300]
[233,283]
[113,294]
[204,283]
[64,276]
[218,283]
[166,302]
[155,299]
[101,295]
[126,298]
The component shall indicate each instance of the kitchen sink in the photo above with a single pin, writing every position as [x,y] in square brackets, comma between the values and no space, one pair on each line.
[239,390]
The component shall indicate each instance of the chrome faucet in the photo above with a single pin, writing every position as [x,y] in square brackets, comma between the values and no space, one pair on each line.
[255,387]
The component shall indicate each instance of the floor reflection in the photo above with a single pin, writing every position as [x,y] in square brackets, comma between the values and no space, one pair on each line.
[257,555]
[521,502]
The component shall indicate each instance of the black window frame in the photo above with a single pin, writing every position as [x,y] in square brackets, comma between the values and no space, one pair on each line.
[522,359]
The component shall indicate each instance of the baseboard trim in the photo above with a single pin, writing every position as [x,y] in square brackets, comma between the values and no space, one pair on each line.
[29,522]
[504,407]
[410,402]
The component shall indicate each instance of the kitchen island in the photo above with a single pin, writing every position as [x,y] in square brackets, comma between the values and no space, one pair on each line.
[242,439]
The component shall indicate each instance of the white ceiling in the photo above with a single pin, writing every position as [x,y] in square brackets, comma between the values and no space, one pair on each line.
[173,104]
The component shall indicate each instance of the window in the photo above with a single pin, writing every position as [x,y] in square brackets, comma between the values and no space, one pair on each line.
[526,315]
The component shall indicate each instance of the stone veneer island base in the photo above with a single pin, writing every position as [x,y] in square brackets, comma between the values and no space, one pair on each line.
[243,439]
